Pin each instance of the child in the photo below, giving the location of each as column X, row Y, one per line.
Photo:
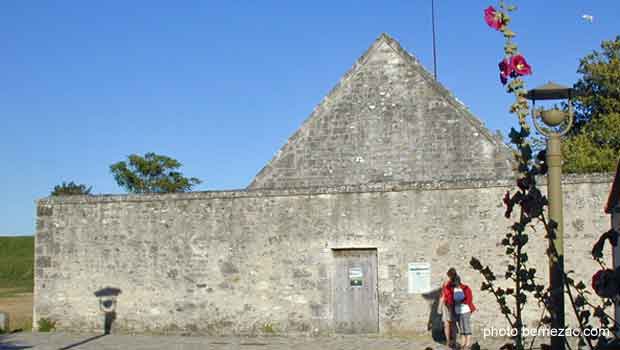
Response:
column 463, row 307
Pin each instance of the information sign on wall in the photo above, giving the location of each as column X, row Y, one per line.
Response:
column 356, row 276
column 419, row 277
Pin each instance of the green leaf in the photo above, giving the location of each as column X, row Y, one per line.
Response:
column 515, row 136
column 526, row 152
column 475, row 264
column 580, row 285
column 509, row 33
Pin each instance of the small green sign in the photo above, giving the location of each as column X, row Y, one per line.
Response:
column 356, row 276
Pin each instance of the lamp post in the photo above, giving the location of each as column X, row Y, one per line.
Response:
column 558, row 123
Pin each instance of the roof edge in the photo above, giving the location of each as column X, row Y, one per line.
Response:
column 462, row 184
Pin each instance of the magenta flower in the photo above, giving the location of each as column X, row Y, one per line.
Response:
column 506, row 70
column 520, row 66
column 493, row 18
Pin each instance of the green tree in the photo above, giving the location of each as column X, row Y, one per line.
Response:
column 70, row 189
column 595, row 148
column 152, row 173
column 594, row 144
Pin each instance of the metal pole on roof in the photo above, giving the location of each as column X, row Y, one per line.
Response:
column 434, row 47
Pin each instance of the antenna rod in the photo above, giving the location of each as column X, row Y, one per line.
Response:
column 434, row 48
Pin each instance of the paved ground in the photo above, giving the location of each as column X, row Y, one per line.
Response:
column 65, row 341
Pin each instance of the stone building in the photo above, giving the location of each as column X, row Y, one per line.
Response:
column 350, row 228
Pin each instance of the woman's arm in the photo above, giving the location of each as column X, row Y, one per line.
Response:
column 469, row 299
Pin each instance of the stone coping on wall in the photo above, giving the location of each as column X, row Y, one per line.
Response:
column 312, row 191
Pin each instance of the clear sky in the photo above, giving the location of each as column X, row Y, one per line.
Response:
column 220, row 86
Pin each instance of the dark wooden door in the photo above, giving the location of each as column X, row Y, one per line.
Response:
column 356, row 306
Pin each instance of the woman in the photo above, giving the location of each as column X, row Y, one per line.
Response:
column 446, row 310
column 463, row 304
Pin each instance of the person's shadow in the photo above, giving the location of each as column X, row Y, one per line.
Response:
column 107, row 303
column 82, row 342
column 6, row 343
column 435, row 323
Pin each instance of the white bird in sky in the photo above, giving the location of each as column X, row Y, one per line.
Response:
column 588, row 18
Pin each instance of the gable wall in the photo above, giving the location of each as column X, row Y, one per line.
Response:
column 388, row 120
column 253, row 261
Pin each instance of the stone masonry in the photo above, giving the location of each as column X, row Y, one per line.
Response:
column 387, row 120
column 388, row 161
column 250, row 262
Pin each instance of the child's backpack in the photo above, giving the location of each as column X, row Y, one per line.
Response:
column 458, row 295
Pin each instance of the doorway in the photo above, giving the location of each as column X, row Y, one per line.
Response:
column 356, row 302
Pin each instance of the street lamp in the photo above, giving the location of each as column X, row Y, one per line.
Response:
column 558, row 123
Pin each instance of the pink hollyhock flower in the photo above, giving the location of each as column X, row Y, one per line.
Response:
column 493, row 18
column 520, row 66
column 505, row 70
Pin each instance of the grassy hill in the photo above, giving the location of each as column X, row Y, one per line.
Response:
column 16, row 263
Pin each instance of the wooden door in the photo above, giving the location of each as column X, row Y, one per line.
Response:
column 356, row 306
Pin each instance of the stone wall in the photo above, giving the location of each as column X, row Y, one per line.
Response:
column 252, row 262
column 388, row 120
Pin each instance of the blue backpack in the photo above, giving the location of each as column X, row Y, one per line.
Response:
column 458, row 295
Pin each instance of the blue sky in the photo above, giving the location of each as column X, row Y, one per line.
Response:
column 221, row 86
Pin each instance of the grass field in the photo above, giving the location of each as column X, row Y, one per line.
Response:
column 16, row 263
column 17, row 279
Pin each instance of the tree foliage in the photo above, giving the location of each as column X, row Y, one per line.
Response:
column 595, row 148
column 594, row 144
column 70, row 189
column 151, row 173
column 598, row 89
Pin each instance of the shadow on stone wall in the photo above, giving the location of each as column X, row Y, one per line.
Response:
column 107, row 304
column 435, row 324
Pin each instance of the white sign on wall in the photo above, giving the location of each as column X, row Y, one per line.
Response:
column 356, row 276
column 419, row 277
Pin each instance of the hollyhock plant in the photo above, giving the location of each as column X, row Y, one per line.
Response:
column 530, row 204
column 520, row 66
column 505, row 70
column 493, row 18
